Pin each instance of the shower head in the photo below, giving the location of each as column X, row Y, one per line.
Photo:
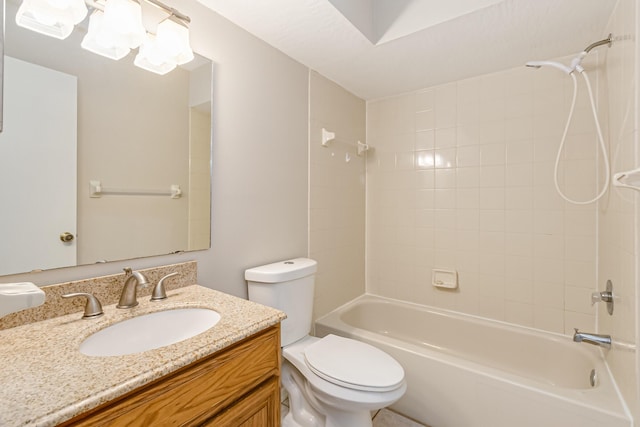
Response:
column 576, row 62
column 559, row 66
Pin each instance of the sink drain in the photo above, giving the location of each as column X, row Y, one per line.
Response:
column 593, row 378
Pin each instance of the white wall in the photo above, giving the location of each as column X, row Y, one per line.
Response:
column 259, row 184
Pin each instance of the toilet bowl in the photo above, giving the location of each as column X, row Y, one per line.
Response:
column 331, row 381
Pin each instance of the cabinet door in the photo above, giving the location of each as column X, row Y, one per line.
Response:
column 260, row 408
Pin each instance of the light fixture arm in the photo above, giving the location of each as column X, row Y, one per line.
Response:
column 173, row 13
column 169, row 10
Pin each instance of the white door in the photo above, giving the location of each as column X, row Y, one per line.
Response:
column 37, row 168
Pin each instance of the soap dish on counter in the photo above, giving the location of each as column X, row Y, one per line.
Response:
column 19, row 296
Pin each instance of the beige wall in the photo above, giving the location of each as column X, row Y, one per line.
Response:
column 199, row 179
column 461, row 179
column 336, row 194
column 260, row 156
column 618, row 228
column 127, row 153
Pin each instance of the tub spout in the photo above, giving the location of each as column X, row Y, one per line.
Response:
column 595, row 339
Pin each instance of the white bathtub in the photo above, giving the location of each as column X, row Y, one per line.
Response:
column 465, row 371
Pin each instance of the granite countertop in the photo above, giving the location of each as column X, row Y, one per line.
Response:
column 46, row 380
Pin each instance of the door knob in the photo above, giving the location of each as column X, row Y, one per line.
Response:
column 66, row 237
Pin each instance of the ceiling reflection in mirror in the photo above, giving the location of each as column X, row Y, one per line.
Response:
column 74, row 119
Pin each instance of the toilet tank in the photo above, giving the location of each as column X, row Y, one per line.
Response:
column 287, row 286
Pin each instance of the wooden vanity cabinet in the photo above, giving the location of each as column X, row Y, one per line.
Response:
column 237, row 386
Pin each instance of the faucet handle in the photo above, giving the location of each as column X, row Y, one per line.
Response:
column 159, row 292
column 601, row 296
column 92, row 308
column 604, row 296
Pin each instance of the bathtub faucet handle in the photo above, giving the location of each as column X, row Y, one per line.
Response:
column 601, row 297
column 604, row 296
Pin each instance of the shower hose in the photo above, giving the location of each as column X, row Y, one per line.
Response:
column 564, row 137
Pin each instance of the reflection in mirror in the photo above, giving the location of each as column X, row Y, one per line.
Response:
column 72, row 117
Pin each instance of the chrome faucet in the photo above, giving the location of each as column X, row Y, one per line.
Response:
column 595, row 339
column 133, row 279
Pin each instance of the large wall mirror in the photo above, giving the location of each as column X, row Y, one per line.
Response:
column 99, row 160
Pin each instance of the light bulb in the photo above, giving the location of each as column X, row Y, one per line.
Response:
column 123, row 20
column 102, row 42
column 152, row 57
column 173, row 39
column 54, row 18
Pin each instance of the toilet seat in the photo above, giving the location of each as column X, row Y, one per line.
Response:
column 353, row 364
column 328, row 391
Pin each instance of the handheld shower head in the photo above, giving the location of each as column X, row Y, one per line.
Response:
column 559, row 66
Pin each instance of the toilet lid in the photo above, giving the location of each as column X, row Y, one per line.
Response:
column 353, row 364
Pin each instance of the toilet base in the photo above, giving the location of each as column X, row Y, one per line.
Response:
column 289, row 421
column 307, row 411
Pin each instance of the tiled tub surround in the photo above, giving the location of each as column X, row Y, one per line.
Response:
column 462, row 179
column 47, row 380
column 106, row 288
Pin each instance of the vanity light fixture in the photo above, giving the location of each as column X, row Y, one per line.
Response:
column 54, row 18
column 115, row 27
column 167, row 49
column 116, row 30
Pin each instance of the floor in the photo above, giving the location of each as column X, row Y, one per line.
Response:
column 388, row 418
column 382, row 418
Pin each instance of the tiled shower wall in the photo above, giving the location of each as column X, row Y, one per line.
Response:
column 462, row 179
column 617, row 223
column 336, row 194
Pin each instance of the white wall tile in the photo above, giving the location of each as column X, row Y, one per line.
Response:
column 492, row 176
column 445, row 137
column 467, row 177
column 425, row 140
column 492, row 154
column 617, row 218
column 445, row 178
column 519, row 313
column 445, row 117
column 520, row 151
column 519, row 174
column 445, row 158
column 493, row 198
column 485, row 201
column 424, row 100
column 425, row 120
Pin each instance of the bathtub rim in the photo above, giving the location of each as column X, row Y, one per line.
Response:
column 453, row 313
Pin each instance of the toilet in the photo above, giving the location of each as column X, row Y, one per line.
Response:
column 331, row 381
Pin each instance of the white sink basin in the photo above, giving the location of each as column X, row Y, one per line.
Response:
column 149, row 331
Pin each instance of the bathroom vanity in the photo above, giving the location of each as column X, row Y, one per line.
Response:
column 237, row 386
column 227, row 375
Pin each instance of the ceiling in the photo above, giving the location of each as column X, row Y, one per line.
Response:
column 377, row 48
